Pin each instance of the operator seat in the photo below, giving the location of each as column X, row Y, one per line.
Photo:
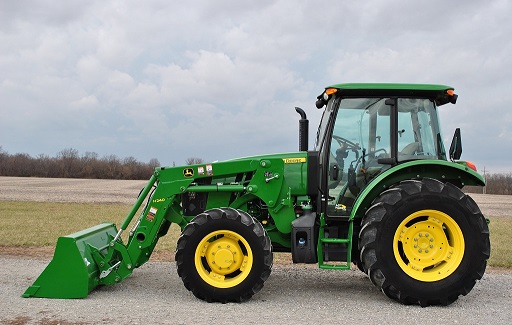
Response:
column 410, row 149
column 409, row 152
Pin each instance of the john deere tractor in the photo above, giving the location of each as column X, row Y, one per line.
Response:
column 378, row 192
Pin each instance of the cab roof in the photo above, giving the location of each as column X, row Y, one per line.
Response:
column 390, row 86
column 440, row 93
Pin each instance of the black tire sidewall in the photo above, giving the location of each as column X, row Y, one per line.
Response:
column 394, row 273
column 207, row 291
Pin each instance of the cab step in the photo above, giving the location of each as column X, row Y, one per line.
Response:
column 343, row 258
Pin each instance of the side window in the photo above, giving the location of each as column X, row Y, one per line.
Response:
column 407, row 142
column 428, row 140
column 382, row 148
column 416, row 132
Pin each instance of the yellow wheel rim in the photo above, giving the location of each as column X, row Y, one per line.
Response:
column 223, row 259
column 428, row 245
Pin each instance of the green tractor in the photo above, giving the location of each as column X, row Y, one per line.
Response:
column 378, row 191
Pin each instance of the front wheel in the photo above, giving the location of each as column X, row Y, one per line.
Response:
column 224, row 255
column 424, row 242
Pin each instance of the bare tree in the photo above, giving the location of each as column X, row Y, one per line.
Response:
column 45, row 166
column 4, row 157
column 153, row 163
column 69, row 162
column 194, row 161
column 113, row 165
column 89, row 165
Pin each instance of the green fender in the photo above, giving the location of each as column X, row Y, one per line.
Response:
column 457, row 173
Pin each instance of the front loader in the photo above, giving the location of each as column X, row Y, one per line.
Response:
column 378, row 191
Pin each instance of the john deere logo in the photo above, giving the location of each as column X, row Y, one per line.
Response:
column 188, row 172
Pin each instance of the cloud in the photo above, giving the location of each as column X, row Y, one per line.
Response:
column 217, row 80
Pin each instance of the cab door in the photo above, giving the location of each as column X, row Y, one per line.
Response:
column 357, row 136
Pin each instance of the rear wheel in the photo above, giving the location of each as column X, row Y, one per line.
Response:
column 224, row 255
column 424, row 242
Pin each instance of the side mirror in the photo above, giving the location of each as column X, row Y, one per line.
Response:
column 456, row 146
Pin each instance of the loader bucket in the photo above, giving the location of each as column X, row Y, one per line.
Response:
column 72, row 273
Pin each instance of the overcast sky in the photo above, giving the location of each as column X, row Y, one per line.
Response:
column 220, row 79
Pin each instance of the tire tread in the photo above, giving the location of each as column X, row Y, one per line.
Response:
column 216, row 214
column 384, row 205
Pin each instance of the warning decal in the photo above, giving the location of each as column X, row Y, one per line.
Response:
column 151, row 214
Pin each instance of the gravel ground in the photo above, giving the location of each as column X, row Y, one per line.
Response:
column 293, row 293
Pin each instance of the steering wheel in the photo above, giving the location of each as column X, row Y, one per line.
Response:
column 346, row 143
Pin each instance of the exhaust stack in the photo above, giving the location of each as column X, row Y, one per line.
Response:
column 303, row 130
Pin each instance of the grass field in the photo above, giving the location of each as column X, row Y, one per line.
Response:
column 39, row 224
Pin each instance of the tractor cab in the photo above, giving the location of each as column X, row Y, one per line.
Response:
column 368, row 128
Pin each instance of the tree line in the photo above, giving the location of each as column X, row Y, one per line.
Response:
column 495, row 184
column 70, row 164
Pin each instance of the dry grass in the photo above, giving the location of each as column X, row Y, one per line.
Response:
column 38, row 224
column 501, row 251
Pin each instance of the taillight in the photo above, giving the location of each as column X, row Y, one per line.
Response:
column 471, row 165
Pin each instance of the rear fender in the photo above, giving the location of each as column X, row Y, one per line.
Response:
column 445, row 171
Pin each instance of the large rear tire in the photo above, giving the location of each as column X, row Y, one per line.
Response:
column 424, row 242
column 224, row 255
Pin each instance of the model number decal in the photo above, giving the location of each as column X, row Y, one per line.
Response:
column 294, row 160
column 159, row 200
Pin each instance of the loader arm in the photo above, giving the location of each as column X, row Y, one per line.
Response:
column 163, row 195
column 176, row 195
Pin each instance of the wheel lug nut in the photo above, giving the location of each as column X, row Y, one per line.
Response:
column 431, row 246
column 426, row 250
column 431, row 239
column 421, row 235
column 415, row 246
column 426, row 235
column 419, row 250
column 415, row 238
